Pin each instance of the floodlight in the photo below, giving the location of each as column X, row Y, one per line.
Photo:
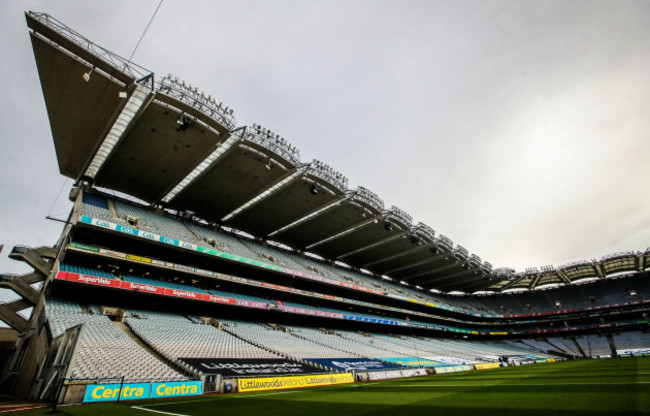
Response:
column 86, row 75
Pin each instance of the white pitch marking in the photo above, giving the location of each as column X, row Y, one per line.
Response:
column 248, row 395
column 157, row 411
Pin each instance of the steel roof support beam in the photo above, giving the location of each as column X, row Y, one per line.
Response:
column 429, row 260
column 312, row 214
column 202, row 167
column 140, row 98
column 403, row 253
column 436, row 270
column 452, row 277
column 346, row 232
column 267, row 192
column 378, row 243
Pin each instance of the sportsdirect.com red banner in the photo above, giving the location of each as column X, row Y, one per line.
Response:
column 138, row 287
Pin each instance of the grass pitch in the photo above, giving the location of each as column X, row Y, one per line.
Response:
column 590, row 387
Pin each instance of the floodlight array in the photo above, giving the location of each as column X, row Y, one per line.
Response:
column 273, row 142
column 474, row 259
column 577, row 263
column 462, row 251
column 618, row 255
column 400, row 215
column 504, row 273
column 445, row 242
column 190, row 95
column 328, row 174
column 369, row 198
column 425, row 230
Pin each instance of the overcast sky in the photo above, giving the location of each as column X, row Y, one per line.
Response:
column 519, row 129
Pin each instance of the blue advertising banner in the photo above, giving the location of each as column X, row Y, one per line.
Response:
column 137, row 391
column 356, row 364
column 176, row 389
column 110, row 392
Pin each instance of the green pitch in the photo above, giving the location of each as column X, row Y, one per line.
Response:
column 590, row 387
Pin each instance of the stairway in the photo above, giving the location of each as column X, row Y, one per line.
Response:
column 575, row 341
column 612, row 346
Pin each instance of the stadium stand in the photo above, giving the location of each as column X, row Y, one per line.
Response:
column 238, row 250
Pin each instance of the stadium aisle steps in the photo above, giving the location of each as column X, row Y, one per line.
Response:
column 577, row 344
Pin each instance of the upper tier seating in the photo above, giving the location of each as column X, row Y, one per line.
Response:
column 603, row 292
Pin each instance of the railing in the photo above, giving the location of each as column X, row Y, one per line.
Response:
column 400, row 215
column 425, row 230
column 328, row 174
column 273, row 142
column 369, row 197
column 190, row 95
column 112, row 59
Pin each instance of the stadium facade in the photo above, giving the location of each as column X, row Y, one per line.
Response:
column 198, row 251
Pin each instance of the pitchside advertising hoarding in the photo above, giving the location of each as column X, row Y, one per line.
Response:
column 249, row 366
column 353, row 364
column 279, row 383
column 412, row 361
column 138, row 391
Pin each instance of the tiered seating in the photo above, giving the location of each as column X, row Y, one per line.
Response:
column 468, row 351
column 72, row 268
column 96, row 206
column 540, row 345
column 175, row 336
column 344, row 341
column 104, row 350
column 282, row 342
column 277, row 257
column 631, row 341
column 594, row 345
column 566, row 345
column 158, row 224
column 223, row 242
column 606, row 293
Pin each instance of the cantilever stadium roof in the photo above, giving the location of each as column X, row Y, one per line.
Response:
column 118, row 126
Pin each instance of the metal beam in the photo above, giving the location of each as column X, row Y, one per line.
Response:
column 401, row 254
column 346, row 232
column 429, row 260
column 375, row 244
column 267, row 192
column 13, row 319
